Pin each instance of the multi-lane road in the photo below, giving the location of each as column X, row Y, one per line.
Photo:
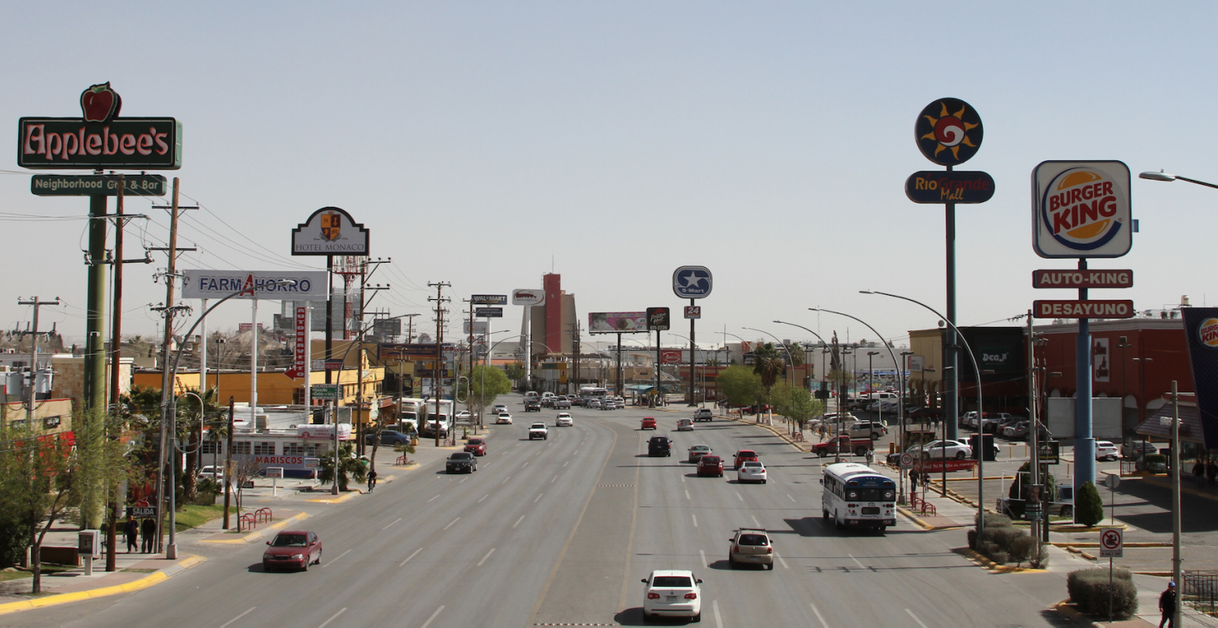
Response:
column 560, row 532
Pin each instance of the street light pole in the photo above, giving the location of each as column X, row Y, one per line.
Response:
column 980, row 412
column 1163, row 176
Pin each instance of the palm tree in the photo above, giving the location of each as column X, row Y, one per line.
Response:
column 348, row 465
column 769, row 364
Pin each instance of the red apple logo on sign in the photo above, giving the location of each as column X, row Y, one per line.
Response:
column 100, row 103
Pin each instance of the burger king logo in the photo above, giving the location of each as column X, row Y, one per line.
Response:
column 1207, row 332
column 1082, row 209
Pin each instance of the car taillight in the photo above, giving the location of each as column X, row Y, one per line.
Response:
column 653, row 596
column 691, row 596
column 769, row 550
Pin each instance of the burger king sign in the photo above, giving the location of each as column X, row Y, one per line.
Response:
column 1081, row 209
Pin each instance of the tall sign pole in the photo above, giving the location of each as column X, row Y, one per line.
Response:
column 949, row 132
column 1081, row 210
column 693, row 283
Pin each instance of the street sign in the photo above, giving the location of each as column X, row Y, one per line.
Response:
column 1082, row 278
column 693, row 311
column 1112, row 481
column 1050, row 452
column 488, row 299
column 948, row 131
column 907, row 460
column 1120, row 308
column 97, row 185
column 956, row 186
column 692, row 282
column 328, row 392
column 1112, row 543
column 488, row 312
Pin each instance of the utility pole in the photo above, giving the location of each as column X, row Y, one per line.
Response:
column 364, row 288
column 37, row 303
column 438, row 367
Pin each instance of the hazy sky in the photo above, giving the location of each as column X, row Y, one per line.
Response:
column 486, row 144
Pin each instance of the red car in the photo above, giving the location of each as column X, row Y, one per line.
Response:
column 649, row 423
column 292, row 548
column 476, row 446
column 710, row 465
column 743, row 455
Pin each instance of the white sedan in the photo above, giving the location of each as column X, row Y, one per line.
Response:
column 672, row 593
column 505, row 418
column 1105, row 450
column 751, row 471
column 564, row 420
column 946, row 449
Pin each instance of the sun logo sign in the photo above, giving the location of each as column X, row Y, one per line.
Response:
column 948, row 131
column 1081, row 209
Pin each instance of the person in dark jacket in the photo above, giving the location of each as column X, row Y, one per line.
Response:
column 148, row 528
column 1167, row 606
column 1199, row 472
column 371, row 480
column 131, row 532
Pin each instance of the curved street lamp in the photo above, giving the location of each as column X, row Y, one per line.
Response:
column 980, row 414
column 1163, row 176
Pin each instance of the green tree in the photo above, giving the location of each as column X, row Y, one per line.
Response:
column 514, row 371
column 740, row 385
column 349, row 467
column 485, row 385
column 768, row 363
column 1088, row 505
column 795, row 403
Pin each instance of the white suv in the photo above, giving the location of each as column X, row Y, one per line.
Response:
column 672, row 593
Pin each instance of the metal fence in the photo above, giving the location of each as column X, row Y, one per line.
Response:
column 1200, row 590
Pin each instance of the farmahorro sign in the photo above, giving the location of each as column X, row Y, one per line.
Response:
column 330, row 231
column 217, row 284
column 1081, row 209
column 99, row 139
column 617, row 322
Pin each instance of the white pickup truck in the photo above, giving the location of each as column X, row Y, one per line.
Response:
column 539, row 430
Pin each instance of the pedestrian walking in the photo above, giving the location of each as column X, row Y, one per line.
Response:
column 148, row 528
column 371, row 480
column 131, row 533
column 870, row 456
column 1199, row 472
column 913, row 484
column 1167, row 606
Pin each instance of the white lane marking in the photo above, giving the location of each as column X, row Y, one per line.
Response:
column 391, row 524
column 517, row 444
column 488, row 555
column 433, row 616
column 576, row 451
column 526, row 463
column 738, row 496
column 718, row 619
column 687, row 494
column 334, row 560
column 432, row 499
column 484, row 497
column 704, row 563
column 791, row 498
column 505, row 480
column 465, row 478
column 566, row 463
column 682, row 479
column 695, row 519
column 451, row 524
column 518, row 521
column 538, row 497
column 226, row 625
column 553, row 478
column 818, row 615
column 486, row 465
column 784, row 563
column 856, row 561
column 403, row 563
column 333, row 617
column 915, row 618
column 755, row 521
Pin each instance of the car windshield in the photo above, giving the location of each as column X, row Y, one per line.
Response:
column 746, row 454
column 752, row 539
column 462, row 456
column 752, row 465
column 290, row 540
column 475, row 441
column 710, row 459
column 672, row 581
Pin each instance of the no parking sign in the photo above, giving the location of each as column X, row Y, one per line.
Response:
column 1112, row 543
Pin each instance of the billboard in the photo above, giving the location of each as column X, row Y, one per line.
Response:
column 1081, row 209
column 617, row 322
column 528, row 296
column 248, row 284
column 330, row 231
column 657, row 318
column 1201, row 332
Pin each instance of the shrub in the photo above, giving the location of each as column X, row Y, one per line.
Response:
column 1088, row 589
column 1154, row 463
column 1088, row 506
column 998, row 543
column 1022, row 549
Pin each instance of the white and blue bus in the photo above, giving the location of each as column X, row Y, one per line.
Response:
column 855, row 495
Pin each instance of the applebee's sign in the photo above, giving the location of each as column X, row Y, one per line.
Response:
column 99, row 138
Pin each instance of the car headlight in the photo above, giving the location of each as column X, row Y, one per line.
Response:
column 266, row 556
column 297, row 556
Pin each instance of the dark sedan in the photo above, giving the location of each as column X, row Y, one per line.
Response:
column 388, row 437
column 461, row 462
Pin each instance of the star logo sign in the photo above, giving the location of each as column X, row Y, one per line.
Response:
column 691, row 282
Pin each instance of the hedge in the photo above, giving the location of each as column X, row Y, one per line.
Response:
column 1088, row 589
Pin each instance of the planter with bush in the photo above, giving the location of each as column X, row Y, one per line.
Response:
column 1003, row 543
column 1089, row 591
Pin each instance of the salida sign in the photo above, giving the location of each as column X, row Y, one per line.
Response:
column 99, row 139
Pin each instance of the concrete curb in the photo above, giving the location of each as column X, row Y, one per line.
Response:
column 150, row 580
column 258, row 534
